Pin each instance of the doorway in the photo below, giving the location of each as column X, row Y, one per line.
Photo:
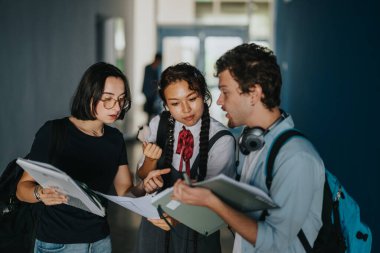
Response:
column 200, row 46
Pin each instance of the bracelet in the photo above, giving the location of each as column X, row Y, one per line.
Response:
column 36, row 193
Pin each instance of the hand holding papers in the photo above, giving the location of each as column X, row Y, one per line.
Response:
column 240, row 196
column 80, row 195
column 49, row 176
column 166, row 222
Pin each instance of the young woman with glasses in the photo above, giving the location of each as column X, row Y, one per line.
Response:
column 92, row 153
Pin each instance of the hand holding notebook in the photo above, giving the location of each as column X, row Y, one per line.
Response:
column 240, row 196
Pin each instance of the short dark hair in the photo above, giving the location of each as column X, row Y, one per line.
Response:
column 158, row 56
column 91, row 88
column 251, row 64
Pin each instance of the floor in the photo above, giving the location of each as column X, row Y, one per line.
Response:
column 124, row 223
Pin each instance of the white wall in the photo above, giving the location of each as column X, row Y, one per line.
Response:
column 175, row 12
column 141, row 48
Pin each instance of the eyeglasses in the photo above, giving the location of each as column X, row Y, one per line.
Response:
column 110, row 103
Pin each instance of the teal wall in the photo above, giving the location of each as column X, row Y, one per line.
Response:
column 329, row 54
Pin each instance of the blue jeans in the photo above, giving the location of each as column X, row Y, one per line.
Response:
column 101, row 246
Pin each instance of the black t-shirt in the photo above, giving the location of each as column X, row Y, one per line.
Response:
column 88, row 159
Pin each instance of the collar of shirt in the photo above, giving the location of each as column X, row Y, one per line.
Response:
column 195, row 130
column 254, row 158
column 287, row 123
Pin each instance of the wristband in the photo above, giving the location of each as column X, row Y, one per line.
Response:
column 36, row 193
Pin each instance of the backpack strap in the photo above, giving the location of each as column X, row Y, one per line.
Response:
column 13, row 172
column 57, row 139
column 273, row 151
column 161, row 138
column 275, row 148
column 305, row 243
column 211, row 143
column 162, row 132
column 218, row 135
column 162, row 129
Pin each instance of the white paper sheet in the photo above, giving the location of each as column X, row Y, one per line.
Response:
column 140, row 205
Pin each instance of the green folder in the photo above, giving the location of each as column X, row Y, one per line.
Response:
column 241, row 196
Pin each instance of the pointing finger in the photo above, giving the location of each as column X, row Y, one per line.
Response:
column 164, row 171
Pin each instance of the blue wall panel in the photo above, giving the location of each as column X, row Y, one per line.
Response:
column 328, row 51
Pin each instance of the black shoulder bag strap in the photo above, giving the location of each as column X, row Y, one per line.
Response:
column 13, row 172
column 57, row 139
column 162, row 132
column 276, row 146
column 162, row 129
column 211, row 143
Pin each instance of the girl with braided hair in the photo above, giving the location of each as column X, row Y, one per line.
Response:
column 192, row 142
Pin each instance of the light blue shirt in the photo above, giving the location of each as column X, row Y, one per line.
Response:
column 297, row 188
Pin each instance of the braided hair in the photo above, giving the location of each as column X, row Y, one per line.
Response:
column 196, row 82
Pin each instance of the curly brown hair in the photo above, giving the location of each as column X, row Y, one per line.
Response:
column 251, row 64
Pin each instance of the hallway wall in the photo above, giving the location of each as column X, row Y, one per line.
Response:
column 330, row 62
column 45, row 46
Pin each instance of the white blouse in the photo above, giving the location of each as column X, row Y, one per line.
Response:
column 221, row 157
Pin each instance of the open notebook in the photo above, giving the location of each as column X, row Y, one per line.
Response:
column 243, row 197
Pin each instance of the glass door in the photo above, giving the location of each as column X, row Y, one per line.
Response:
column 200, row 46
